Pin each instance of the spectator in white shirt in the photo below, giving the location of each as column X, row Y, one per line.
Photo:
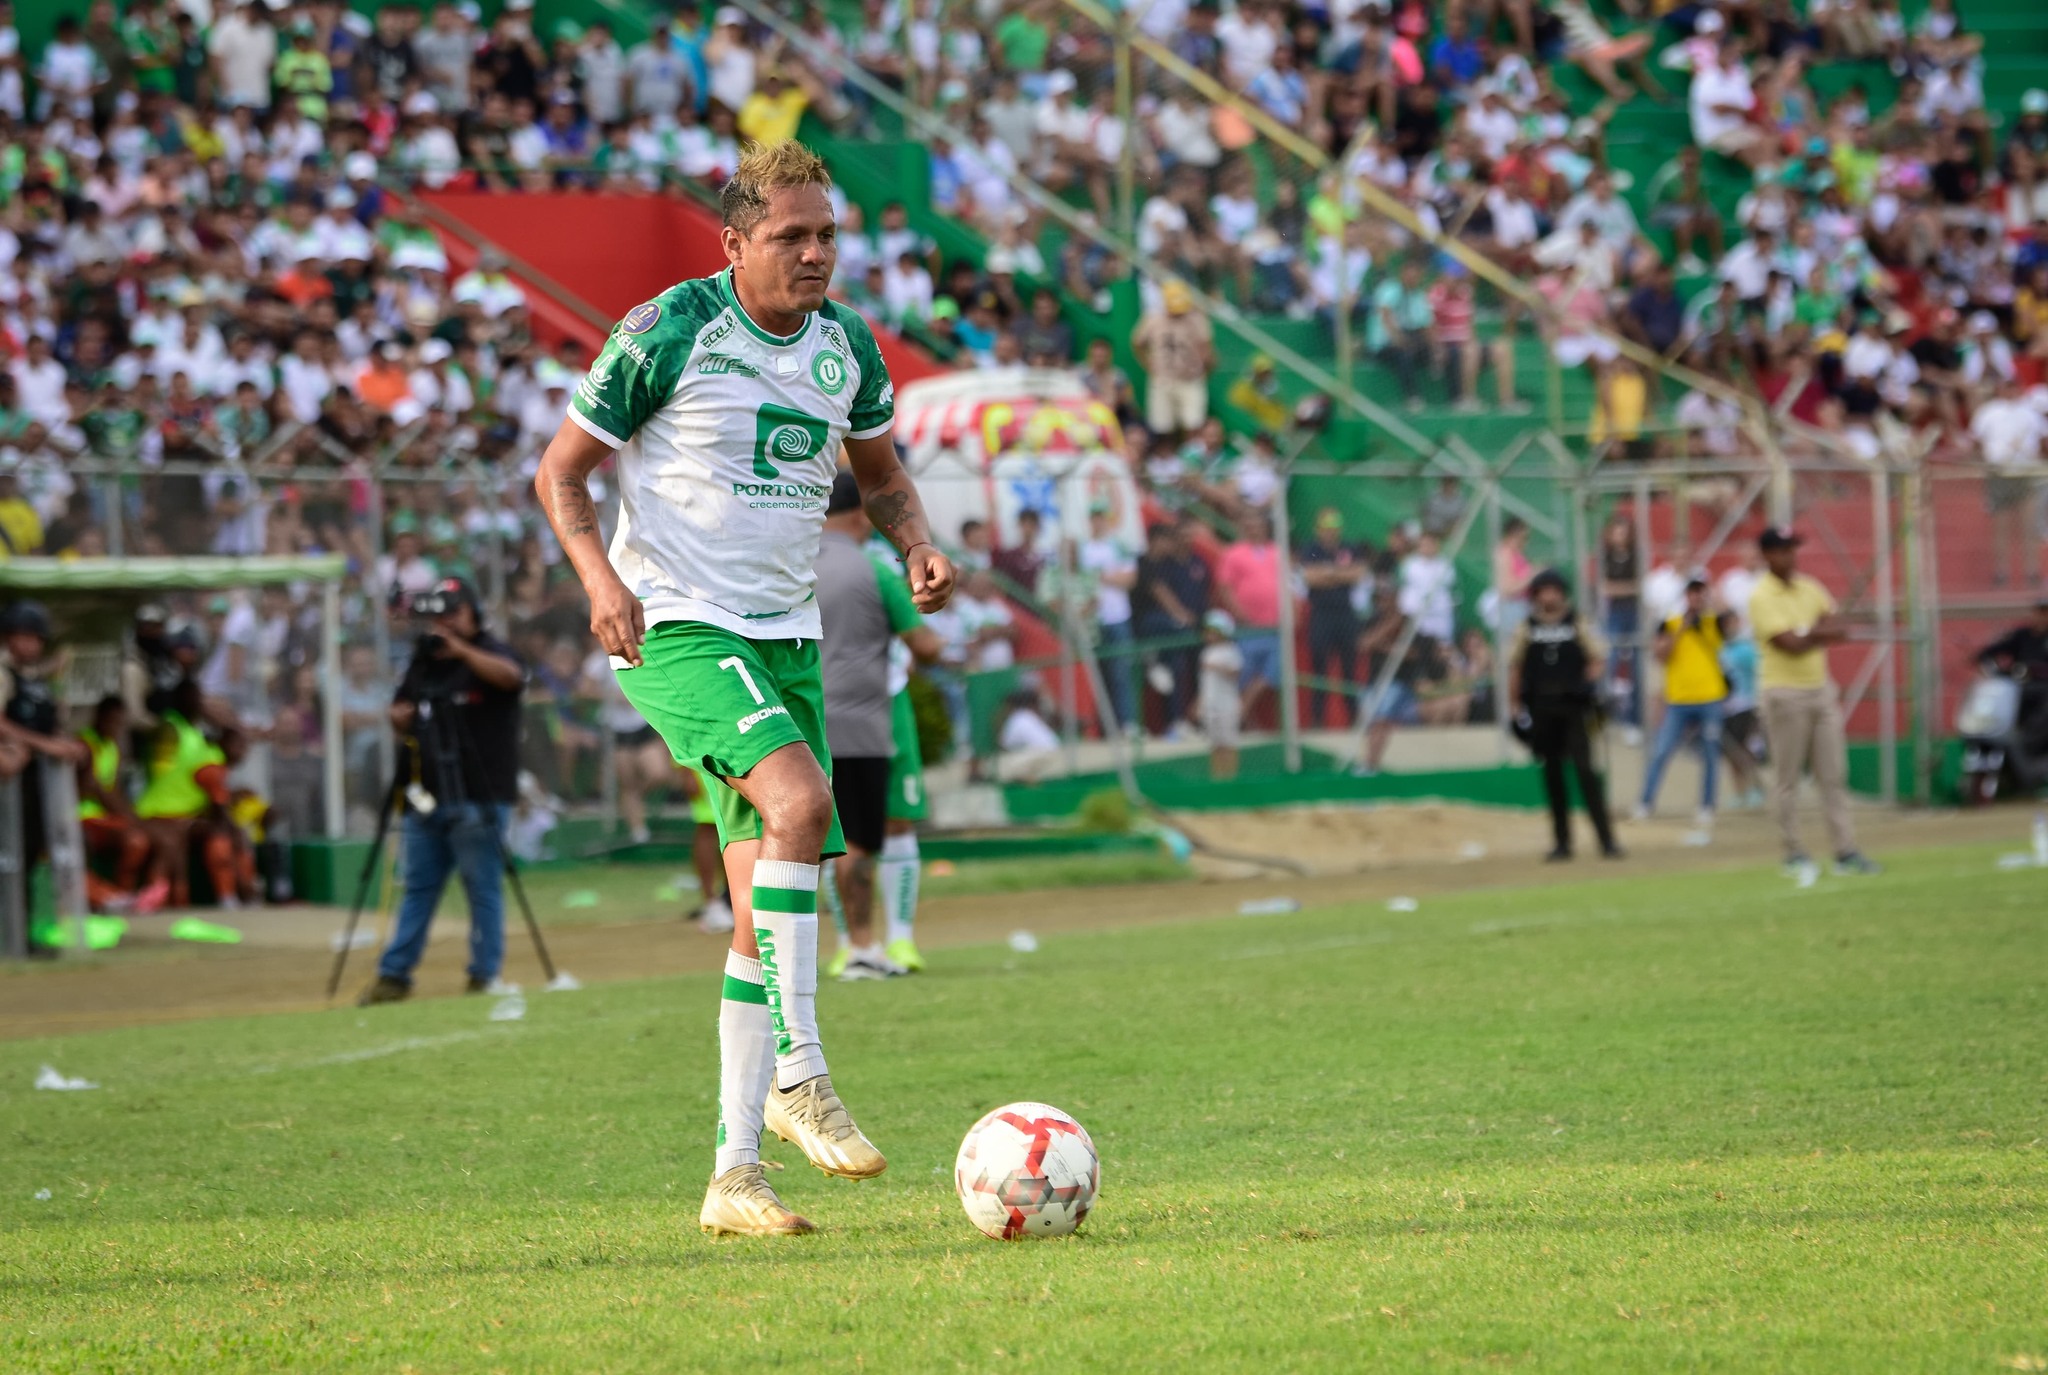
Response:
column 2009, row 430
column 1720, row 102
column 39, row 383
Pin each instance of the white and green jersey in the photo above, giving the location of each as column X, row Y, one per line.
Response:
column 728, row 437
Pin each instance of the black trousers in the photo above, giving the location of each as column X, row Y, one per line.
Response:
column 1331, row 647
column 1558, row 735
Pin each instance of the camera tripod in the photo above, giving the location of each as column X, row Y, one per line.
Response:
column 446, row 761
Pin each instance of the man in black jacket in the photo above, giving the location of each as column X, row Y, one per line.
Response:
column 1553, row 672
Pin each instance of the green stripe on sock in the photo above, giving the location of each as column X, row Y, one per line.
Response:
column 795, row 900
column 740, row 991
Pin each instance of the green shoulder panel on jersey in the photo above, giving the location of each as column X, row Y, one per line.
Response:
column 896, row 603
column 642, row 359
column 874, row 404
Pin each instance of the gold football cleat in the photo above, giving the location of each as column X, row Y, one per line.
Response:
column 811, row 1118
column 739, row 1203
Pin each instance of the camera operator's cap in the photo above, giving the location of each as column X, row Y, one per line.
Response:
column 461, row 590
column 1549, row 580
column 845, row 494
column 1779, row 537
column 1219, row 621
column 1696, row 578
column 26, row 618
column 151, row 613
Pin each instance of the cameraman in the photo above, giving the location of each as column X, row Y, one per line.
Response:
column 458, row 705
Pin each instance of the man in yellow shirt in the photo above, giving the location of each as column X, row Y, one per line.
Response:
column 1695, row 696
column 1794, row 620
column 771, row 114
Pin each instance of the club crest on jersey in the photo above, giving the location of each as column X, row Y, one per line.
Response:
column 829, row 371
column 641, row 318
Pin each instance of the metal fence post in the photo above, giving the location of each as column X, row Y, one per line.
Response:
column 13, row 874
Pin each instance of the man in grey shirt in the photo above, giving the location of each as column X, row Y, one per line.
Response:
column 445, row 51
column 864, row 608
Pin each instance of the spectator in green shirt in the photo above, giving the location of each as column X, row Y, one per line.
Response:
column 1398, row 329
column 303, row 73
column 1024, row 40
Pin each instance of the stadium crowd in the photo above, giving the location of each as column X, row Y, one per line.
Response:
column 206, row 279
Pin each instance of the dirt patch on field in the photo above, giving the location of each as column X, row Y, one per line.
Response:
column 1353, row 854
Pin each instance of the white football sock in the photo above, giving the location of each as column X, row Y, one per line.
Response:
column 898, row 877
column 786, row 929
column 828, row 894
column 746, row 1062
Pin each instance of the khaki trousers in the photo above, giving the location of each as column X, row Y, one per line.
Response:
column 1805, row 730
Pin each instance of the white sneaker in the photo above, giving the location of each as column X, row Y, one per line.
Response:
column 870, row 964
column 716, row 918
column 1639, row 812
column 1703, row 819
column 639, row 835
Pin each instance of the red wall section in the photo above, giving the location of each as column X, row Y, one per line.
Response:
column 616, row 251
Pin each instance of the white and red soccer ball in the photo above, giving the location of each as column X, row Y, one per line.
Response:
column 1027, row 1170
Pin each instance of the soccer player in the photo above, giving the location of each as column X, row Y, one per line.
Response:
column 728, row 399
column 867, row 615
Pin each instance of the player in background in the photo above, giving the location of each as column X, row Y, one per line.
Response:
column 727, row 400
column 867, row 616
column 900, row 871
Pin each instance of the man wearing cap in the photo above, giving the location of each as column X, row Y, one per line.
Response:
column 865, row 607
column 2024, row 159
column 459, row 706
column 1795, row 621
column 1175, row 345
column 1695, row 695
column 1333, row 573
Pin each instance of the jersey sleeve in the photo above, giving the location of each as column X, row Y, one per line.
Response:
column 630, row 380
column 874, row 405
column 896, row 603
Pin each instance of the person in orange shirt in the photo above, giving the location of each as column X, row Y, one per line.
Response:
column 384, row 380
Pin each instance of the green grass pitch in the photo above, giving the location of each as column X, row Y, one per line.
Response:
column 1711, row 1123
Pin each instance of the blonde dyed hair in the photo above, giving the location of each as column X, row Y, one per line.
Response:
column 764, row 170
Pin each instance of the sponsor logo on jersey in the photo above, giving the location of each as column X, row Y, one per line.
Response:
column 784, row 437
column 713, row 337
column 641, row 318
column 809, row 490
column 590, row 389
column 631, row 349
column 828, row 370
column 715, row 363
column 753, row 719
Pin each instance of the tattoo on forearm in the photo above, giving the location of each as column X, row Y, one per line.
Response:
column 887, row 509
column 574, row 512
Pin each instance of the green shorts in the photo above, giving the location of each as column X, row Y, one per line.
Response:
column 701, row 809
column 906, row 766
column 723, row 703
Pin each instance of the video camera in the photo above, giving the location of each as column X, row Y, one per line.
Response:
column 446, row 596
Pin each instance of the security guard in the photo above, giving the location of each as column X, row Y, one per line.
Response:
column 1553, row 670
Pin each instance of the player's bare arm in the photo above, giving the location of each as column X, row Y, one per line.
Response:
column 563, row 486
column 892, row 503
